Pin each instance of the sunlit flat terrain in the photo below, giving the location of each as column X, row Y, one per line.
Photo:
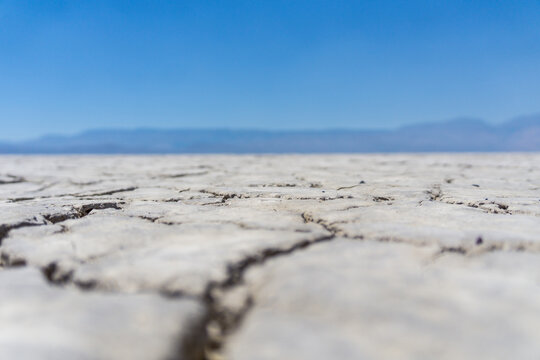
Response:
column 270, row 257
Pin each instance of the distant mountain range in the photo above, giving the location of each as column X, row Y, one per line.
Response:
column 465, row 135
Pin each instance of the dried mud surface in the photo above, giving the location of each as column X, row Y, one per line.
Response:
column 270, row 257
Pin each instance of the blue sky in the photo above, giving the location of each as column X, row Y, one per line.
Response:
column 67, row 66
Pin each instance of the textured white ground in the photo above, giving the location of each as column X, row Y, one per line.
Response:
column 270, row 257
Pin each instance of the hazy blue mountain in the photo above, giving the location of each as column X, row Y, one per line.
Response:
column 461, row 135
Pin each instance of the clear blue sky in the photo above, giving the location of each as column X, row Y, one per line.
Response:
column 66, row 66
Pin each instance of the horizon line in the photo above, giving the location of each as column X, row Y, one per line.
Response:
column 276, row 130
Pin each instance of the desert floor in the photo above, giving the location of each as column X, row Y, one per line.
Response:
column 270, row 257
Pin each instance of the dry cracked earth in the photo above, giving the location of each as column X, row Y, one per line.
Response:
column 270, row 257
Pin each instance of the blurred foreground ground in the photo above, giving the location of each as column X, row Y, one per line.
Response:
column 270, row 257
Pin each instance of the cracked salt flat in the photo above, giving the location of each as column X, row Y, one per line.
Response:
column 39, row 321
column 373, row 300
column 350, row 256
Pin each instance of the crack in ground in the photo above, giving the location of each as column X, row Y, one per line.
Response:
column 6, row 228
column 287, row 185
column 208, row 338
column 80, row 212
column 77, row 195
column 491, row 207
column 230, row 195
column 13, row 179
column 181, row 175
column 308, row 218
column 362, row 182
column 497, row 208
column 54, row 218
column 480, row 248
column 111, row 192
column 435, row 193
column 477, row 247
column 45, row 187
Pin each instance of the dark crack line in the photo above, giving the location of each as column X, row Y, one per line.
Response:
column 308, row 218
column 6, row 228
column 85, row 183
column 436, row 194
column 13, row 179
column 55, row 275
column 180, row 175
column 224, row 196
column 45, row 187
column 228, row 196
column 54, row 218
column 209, row 336
column 76, row 195
column 481, row 205
column 111, row 192
column 382, row 198
column 277, row 185
column 479, row 247
column 79, row 212
column 362, row 182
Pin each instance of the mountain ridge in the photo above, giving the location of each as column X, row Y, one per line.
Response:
column 458, row 135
